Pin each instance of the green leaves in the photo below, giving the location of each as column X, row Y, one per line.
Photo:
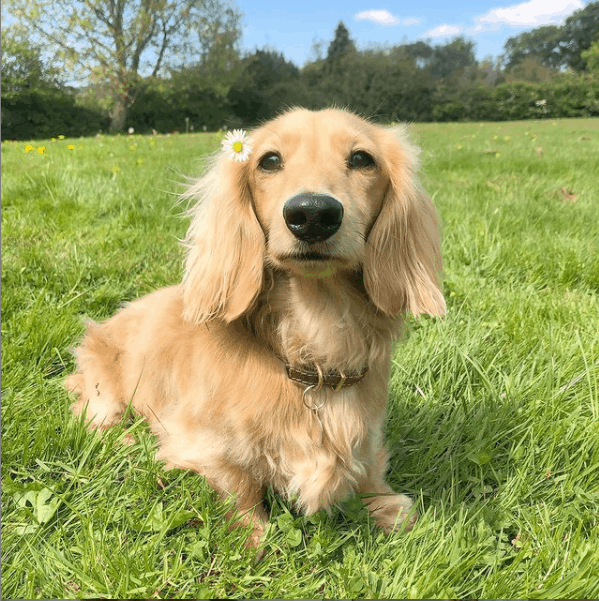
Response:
column 557, row 46
column 481, row 457
column 288, row 525
column 38, row 506
column 122, row 40
column 163, row 520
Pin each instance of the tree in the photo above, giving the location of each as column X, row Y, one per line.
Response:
column 339, row 48
column 456, row 55
column 420, row 52
column 35, row 103
column 530, row 68
column 114, row 42
column 490, row 71
column 557, row 46
column 591, row 56
column 22, row 65
column 580, row 30
column 219, row 49
column 397, row 88
column 262, row 86
column 543, row 43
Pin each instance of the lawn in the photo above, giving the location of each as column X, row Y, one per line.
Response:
column 493, row 413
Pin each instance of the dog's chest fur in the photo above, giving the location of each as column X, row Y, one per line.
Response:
column 314, row 457
column 314, row 454
column 325, row 322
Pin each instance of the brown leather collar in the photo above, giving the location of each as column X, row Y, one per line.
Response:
column 317, row 379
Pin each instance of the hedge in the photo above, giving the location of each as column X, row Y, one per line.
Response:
column 165, row 106
column 46, row 113
column 568, row 96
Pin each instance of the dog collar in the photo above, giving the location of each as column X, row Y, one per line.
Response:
column 316, row 378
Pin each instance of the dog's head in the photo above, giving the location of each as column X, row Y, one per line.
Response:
column 321, row 193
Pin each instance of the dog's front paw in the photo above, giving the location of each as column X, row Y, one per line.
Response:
column 392, row 512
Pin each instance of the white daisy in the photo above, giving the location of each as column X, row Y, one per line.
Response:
column 238, row 145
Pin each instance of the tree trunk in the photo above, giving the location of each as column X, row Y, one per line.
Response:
column 118, row 114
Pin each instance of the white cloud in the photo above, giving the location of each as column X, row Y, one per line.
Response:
column 527, row 14
column 442, row 31
column 378, row 16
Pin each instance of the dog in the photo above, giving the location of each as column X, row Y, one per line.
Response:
column 268, row 365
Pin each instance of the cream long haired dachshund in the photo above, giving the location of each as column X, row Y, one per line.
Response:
column 268, row 365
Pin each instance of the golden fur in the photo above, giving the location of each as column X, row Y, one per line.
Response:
column 204, row 361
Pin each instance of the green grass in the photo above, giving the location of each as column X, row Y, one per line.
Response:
column 493, row 413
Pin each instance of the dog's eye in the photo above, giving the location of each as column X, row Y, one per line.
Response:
column 360, row 160
column 271, row 161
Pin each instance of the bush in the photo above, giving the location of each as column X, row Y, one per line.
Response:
column 566, row 96
column 572, row 96
column 517, row 100
column 43, row 113
column 390, row 94
column 164, row 106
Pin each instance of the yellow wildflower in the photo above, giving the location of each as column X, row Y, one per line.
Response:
column 41, row 149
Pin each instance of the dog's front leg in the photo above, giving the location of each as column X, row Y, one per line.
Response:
column 391, row 510
column 231, row 481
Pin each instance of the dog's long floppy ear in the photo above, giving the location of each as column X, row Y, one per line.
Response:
column 403, row 249
column 225, row 245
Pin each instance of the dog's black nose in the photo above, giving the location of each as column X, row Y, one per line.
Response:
column 313, row 217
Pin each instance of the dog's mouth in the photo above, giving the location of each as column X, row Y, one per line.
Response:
column 310, row 255
column 301, row 256
column 311, row 262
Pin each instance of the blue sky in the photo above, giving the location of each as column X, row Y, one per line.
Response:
column 290, row 27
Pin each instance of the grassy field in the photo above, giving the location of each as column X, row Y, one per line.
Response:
column 493, row 413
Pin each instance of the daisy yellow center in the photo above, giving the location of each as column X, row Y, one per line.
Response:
column 238, row 147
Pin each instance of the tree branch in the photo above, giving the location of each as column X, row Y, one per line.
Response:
column 162, row 50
